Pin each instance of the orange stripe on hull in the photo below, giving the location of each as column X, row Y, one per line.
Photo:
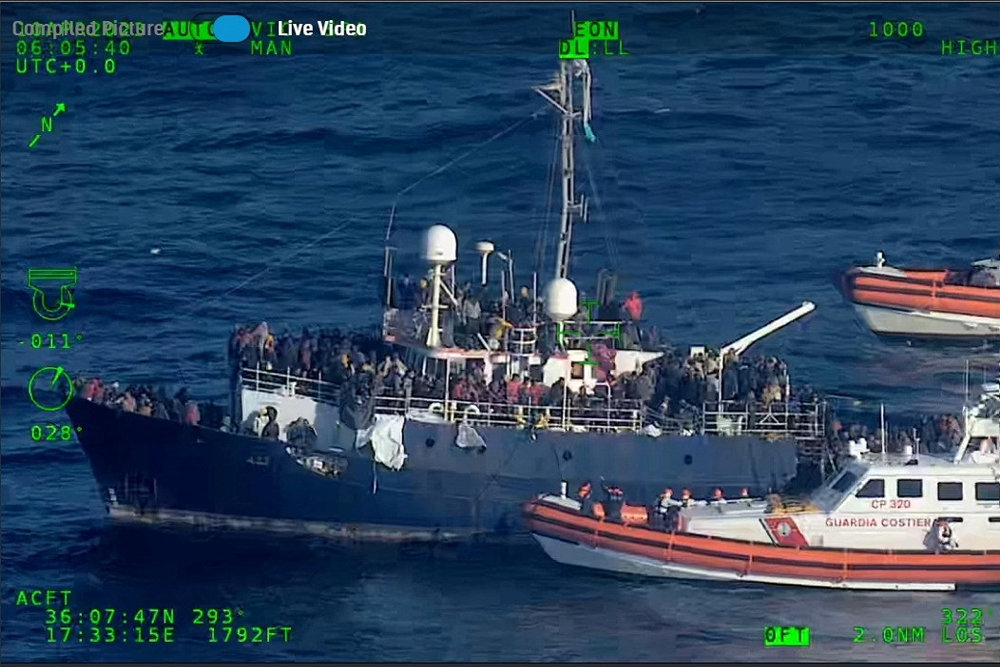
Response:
column 921, row 291
column 740, row 556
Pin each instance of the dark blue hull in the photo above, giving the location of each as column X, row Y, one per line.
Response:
column 161, row 470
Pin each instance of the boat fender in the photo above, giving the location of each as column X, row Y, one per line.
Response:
column 470, row 410
column 436, row 407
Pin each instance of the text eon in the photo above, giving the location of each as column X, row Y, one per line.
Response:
column 326, row 29
column 593, row 38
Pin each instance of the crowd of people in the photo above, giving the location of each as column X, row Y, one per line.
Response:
column 148, row 401
column 939, row 433
column 671, row 387
column 674, row 391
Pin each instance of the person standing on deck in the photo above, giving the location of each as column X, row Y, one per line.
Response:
column 271, row 429
column 633, row 306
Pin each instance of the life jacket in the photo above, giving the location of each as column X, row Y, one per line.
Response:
column 633, row 304
column 635, row 514
column 513, row 391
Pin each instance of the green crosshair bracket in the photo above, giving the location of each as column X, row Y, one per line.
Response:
column 614, row 332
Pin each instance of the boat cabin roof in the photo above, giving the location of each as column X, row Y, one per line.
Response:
column 869, row 480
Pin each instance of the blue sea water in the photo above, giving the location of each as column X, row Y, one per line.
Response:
column 745, row 153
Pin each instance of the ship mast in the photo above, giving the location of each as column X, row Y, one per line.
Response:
column 560, row 95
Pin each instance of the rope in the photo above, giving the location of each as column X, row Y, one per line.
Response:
column 450, row 163
column 271, row 264
column 284, row 258
column 542, row 240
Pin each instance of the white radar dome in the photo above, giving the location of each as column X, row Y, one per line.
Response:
column 560, row 299
column 440, row 245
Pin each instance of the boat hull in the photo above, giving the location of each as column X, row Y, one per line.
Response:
column 921, row 304
column 573, row 539
column 155, row 470
column 894, row 322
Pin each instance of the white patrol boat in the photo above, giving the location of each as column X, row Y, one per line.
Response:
column 922, row 523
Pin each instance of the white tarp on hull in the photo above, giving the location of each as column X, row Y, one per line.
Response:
column 469, row 438
column 387, row 441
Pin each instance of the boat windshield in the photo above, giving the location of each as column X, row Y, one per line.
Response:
column 844, row 482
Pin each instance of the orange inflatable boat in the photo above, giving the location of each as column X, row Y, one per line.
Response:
column 926, row 303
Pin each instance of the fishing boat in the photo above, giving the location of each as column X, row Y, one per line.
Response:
column 921, row 523
column 926, row 303
column 404, row 467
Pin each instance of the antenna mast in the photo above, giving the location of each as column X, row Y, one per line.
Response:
column 560, row 95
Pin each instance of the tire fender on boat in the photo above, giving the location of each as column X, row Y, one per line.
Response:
column 470, row 410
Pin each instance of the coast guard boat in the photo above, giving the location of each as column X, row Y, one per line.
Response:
column 927, row 303
column 920, row 523
column 408, row 468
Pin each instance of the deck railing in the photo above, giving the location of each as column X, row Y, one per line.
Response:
column 805, row 423
column 287, row 384
column 736, row 418
column 622, row 416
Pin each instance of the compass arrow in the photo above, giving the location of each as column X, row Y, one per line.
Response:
column 60, row 107
column 60, row 371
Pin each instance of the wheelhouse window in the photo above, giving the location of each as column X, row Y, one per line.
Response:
column 909, row 488
column 949, row 491
column 844, row 482
column 987, row 491
column 873, row 488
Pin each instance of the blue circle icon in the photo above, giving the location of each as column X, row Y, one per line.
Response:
column 231, row 28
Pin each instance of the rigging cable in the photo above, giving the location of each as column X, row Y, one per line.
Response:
column 609, row 241
column 450, row 163
column 285, row 257
column 542, row 241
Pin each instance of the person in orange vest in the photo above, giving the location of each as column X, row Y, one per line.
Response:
column 633, row 306
column 586, row 500
column 614, row 499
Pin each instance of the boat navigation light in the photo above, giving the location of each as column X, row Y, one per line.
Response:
column 440, row 245
column 561, row 299
column 484, row 248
